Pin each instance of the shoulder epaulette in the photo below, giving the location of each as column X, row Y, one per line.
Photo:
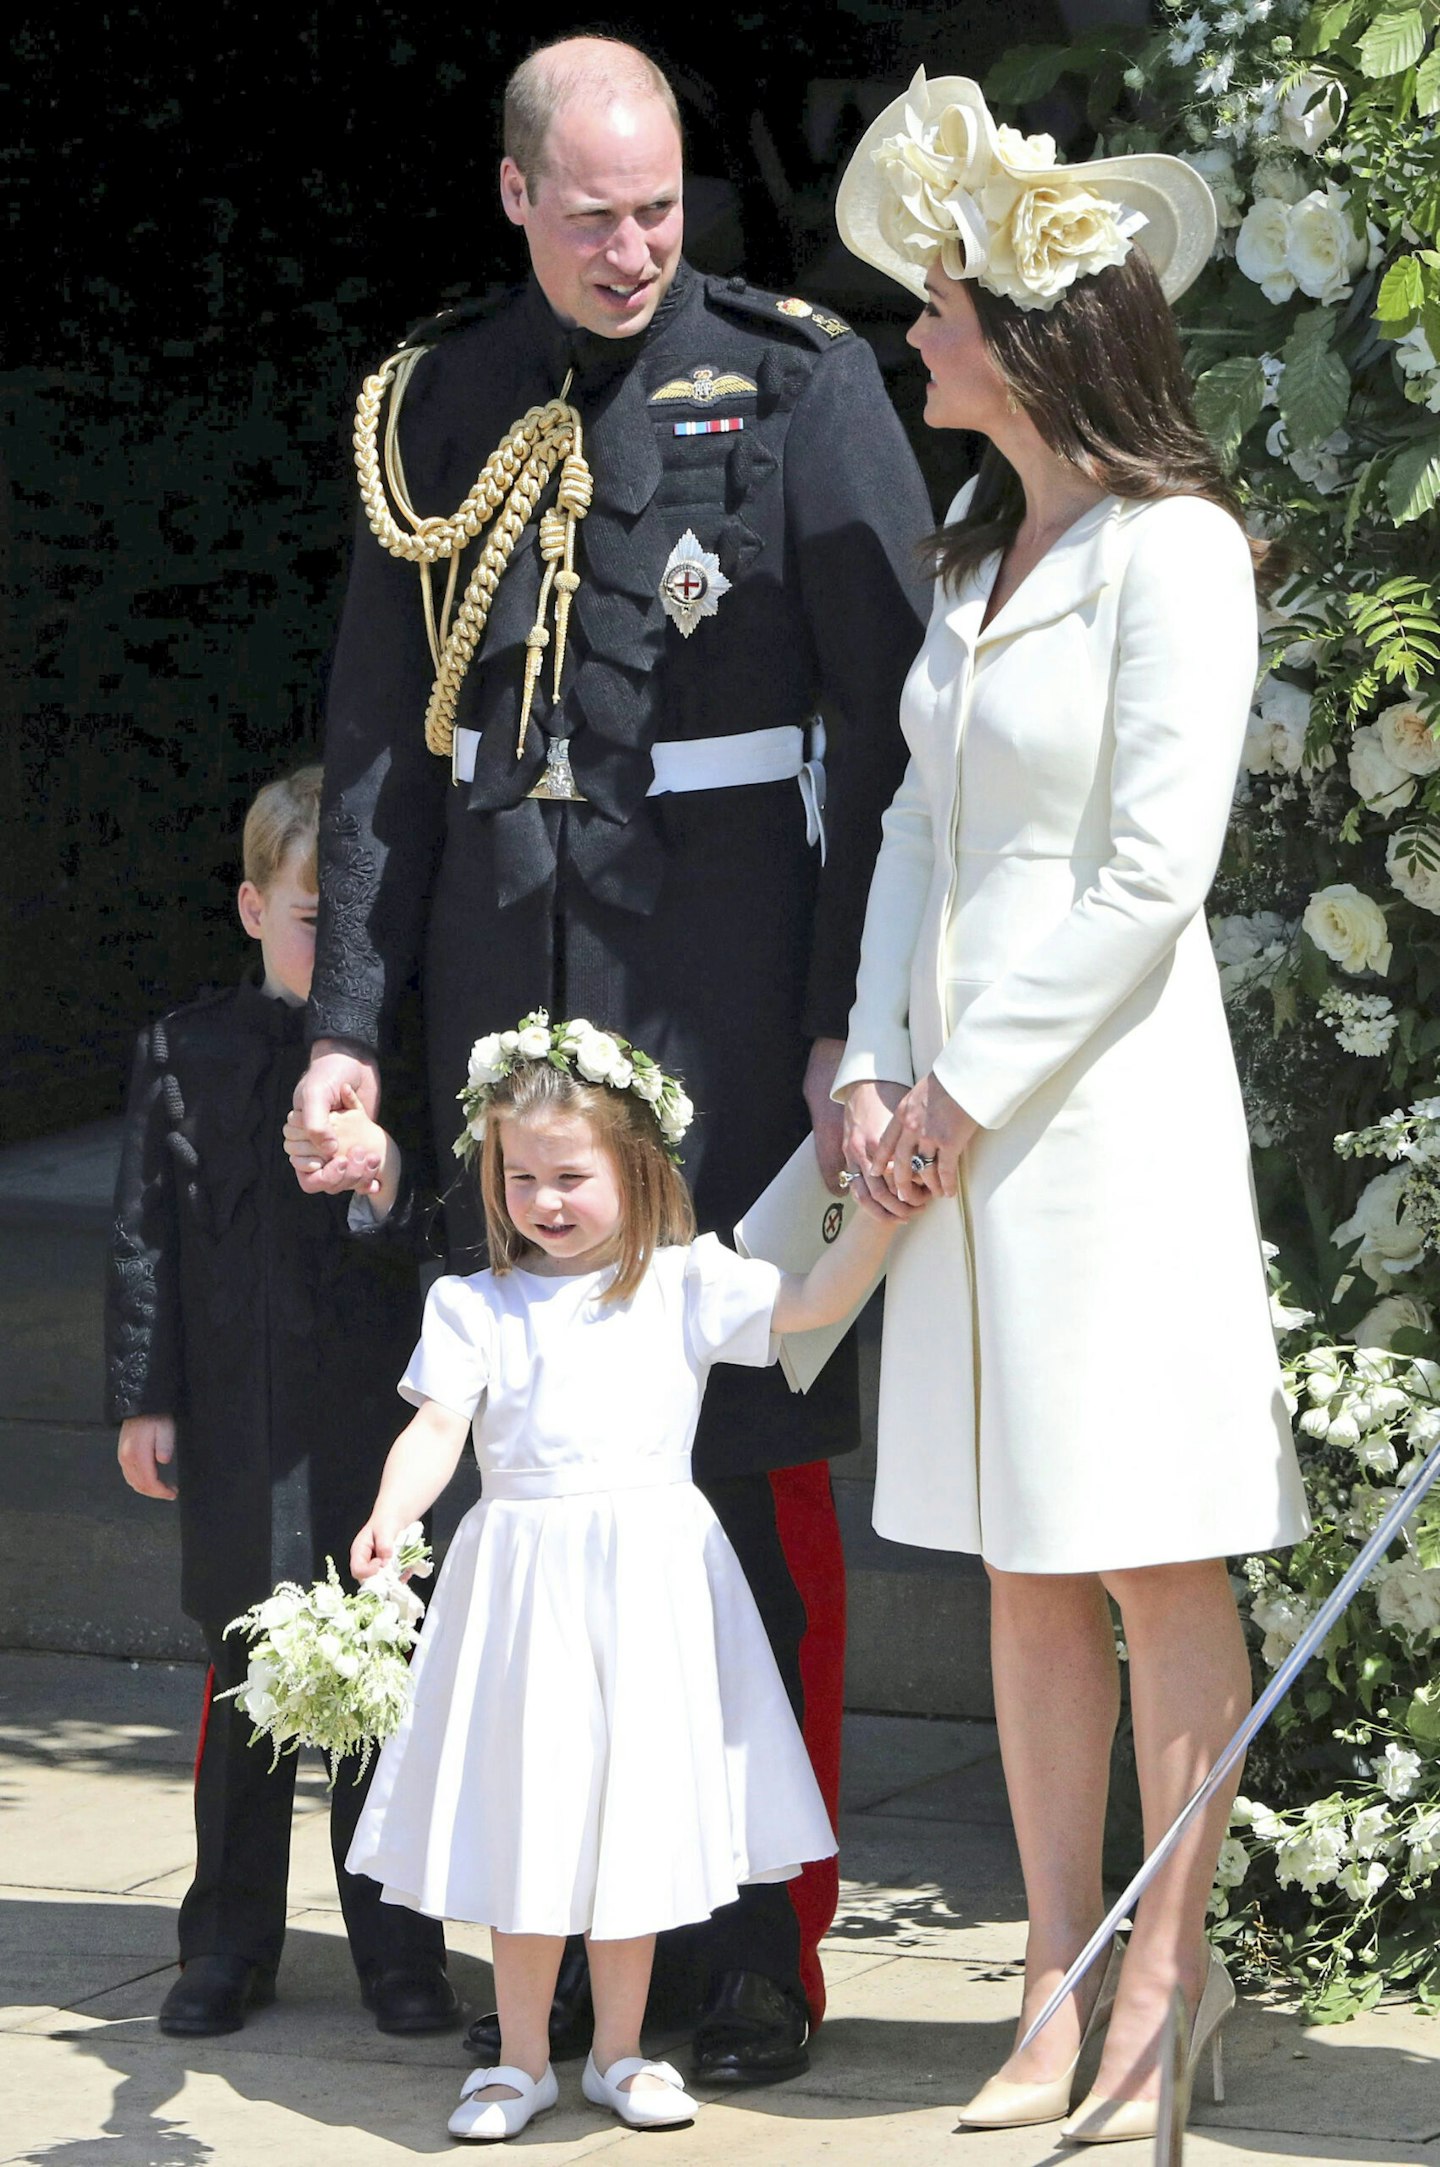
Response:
column 457, row 315
column 816, row 326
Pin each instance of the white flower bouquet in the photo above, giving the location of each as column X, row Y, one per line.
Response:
column 329, row 1669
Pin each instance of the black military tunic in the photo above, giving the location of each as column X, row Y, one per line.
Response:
column 702, row 925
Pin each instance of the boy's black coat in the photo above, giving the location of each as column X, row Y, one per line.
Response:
column 247, row 1310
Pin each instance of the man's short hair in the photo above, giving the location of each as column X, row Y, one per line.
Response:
column 284, row 817
column 593, row 68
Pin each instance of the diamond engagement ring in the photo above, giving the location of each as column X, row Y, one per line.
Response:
column 919, row 1160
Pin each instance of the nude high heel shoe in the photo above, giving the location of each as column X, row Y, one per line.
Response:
column 1001, row 2103
column 1115, row 2121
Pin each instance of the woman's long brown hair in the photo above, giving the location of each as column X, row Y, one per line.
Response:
column 1102, row 377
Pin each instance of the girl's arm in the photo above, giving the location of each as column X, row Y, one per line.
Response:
column 841, row 1278
column 421, row 1462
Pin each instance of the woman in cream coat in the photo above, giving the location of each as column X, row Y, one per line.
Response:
column 1079, row 1377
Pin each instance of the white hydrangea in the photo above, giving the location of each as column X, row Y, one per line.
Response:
column 1249, row 947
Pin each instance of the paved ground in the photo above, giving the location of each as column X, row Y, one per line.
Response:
column 94, row 1851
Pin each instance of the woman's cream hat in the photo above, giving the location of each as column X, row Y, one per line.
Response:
column 935, row 176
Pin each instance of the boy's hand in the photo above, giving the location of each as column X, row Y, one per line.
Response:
column 319, row 1096
column 354, row 1156
column 147, row 1443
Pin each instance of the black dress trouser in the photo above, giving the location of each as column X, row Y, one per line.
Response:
column 236, row 1904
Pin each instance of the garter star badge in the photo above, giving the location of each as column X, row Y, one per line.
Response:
column 692, row 583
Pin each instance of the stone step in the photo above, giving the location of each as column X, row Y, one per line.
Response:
column 101, row 1564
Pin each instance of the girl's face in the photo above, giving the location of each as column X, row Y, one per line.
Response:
column 966, row 390
column 562, row 1190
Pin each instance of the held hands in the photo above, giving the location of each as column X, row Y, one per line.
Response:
column 356, row 1154
column 334, row 1083
column 886, row 1127
column 147, row 1444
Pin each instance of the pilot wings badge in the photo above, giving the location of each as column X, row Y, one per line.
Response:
column 703, row 386
column 692, row 583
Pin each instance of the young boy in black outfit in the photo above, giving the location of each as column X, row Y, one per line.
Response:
column 254, row 1336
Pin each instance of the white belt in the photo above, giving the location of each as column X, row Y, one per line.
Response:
column 719, row 763
column 584, row 1477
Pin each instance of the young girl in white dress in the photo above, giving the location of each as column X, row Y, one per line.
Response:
column 599, row 1740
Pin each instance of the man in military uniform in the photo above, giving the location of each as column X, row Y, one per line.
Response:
column 631, row 829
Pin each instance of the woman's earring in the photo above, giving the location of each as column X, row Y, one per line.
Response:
column 1012, row 404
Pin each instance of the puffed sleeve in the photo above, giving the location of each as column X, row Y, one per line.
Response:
column 728, row 1305
column 452, row 1363
column 1184, row 676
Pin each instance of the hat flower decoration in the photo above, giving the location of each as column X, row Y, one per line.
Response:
column 576, row 1048
column 937, row 178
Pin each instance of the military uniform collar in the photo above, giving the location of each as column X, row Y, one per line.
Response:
column 595, row 360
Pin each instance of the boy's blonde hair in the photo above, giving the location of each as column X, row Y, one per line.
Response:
column 284, row 817
column 655, row 1206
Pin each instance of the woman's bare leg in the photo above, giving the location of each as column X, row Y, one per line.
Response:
column 1057, row 1700
column 1189, row 1688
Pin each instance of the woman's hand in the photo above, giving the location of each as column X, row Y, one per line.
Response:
column 927, row 1124
column 868, row 1111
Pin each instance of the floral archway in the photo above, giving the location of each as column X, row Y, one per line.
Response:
column 1314, row 339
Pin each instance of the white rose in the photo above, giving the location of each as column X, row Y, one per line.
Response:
column 1311, row 110
column 1262, row 248
column 648, row 1085
column 509, row 1040
column 1394, row 1313
column 622, row 1074
column 676, row 1117
column 1374, row 776
column 1408, row 738
column 1418, row 883
column 533, row 1042
column 1324, row 249
column 596, row 1056
column 1349, row 928
column 277, row 1610
column 485, row 1060
column 1390, row 1241
column 1045, row 235
column 577, row 1028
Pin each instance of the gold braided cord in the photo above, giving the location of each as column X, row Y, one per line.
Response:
column 507, row 492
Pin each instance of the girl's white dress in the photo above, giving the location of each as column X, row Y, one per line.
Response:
column 598, row 1738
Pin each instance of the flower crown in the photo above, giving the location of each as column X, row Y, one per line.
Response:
column 993, row 204
column 577, row 1049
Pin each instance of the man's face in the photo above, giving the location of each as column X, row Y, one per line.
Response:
column 606, row 233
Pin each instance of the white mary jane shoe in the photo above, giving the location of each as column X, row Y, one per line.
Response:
column 670, row 2109
column 490, row 2121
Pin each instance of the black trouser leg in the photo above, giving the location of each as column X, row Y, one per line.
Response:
column 380, row 1934
column 760, row 1932
column 235, row 1906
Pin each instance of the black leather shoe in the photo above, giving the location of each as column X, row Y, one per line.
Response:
column 212, row 1995
column 572, row 2015
column 751, row 2031
column 409, row 1997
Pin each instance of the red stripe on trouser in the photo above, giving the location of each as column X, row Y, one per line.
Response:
column 810, row 1537
column 204, row 1722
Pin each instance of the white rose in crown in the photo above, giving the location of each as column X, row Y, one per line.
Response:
column 1408, row 737
column 596, row 1056
column 1310, row 111
column 1262, row 248
column 648, row 1085
column 509, row 1040
column 622, row 1073
column 676, row 1116
column 533, row 1042
column 1046, row 234
column 1374, row 776
column 486, row 1058
column 1418, row 882
column 1349, row 928
column 1324, row 249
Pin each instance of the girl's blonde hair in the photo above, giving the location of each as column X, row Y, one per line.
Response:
column 655, row 1206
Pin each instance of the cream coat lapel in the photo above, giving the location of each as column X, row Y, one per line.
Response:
column 1075, row 568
